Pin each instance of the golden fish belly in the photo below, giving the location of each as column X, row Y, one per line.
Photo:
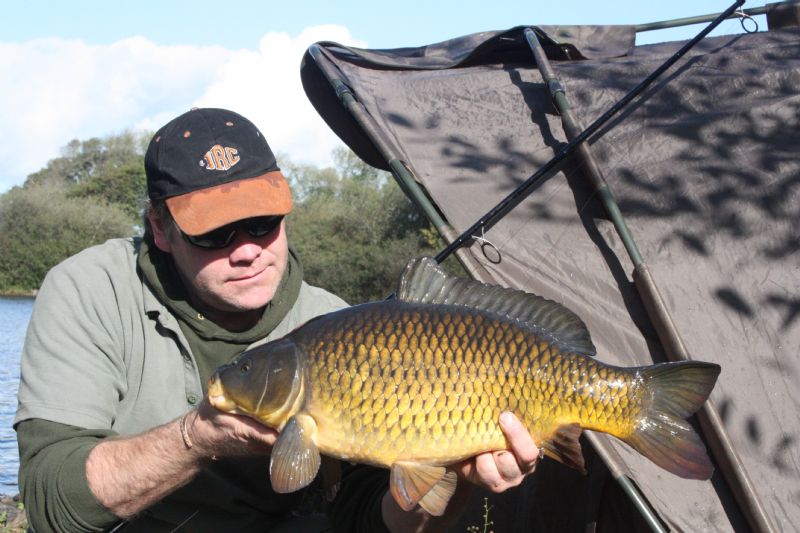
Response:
column 428, row 384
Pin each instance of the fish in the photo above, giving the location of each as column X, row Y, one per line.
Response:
column 416, row 384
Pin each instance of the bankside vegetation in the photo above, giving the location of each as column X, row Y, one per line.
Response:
column 351, row 225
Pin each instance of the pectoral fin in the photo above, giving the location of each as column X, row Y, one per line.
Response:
column 429, row 486
column 565, row 447
column 295, row 458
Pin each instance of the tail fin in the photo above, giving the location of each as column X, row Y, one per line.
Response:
column 662, row 434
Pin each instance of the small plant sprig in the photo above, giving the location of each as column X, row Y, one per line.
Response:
column 486, row 521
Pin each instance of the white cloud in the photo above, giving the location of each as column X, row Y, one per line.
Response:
column 55, row 90
column 264, row 85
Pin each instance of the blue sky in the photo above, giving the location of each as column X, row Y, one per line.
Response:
column 91, row 68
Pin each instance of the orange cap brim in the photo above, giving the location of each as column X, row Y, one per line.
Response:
column 201, row 211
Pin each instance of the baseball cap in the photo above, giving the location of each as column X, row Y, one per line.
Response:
column 213, row 167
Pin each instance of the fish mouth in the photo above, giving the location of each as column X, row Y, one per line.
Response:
column 216, row 395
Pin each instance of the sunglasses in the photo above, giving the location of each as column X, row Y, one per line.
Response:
column 224, row 236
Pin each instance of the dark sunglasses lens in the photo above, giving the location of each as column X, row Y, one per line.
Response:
column 258, row 227
column 218, row 238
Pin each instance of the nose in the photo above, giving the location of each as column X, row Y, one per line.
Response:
column 245, row 249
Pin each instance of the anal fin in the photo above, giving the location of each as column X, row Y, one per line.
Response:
column 429, row 486
column 436, row 500
column 565, row 447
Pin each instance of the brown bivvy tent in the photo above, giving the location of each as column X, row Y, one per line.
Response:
column 692, row 249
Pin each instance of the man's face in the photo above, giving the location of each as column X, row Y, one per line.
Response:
column 239, row 278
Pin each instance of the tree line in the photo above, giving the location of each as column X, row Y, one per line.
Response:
column 351, row 224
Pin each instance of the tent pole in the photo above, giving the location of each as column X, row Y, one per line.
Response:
column 721, row 446
column 602, row 445
column 573, row 128
column 402, row 173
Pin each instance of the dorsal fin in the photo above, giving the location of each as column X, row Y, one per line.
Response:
column 423, row 281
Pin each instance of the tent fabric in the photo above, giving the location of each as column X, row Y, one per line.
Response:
column 486, row 47
column 705, row 168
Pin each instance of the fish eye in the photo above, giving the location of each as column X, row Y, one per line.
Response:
column 245, row 367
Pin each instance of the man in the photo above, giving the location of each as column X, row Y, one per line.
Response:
column 113, row 426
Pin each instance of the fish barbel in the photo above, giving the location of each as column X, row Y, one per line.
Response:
column 417, row 383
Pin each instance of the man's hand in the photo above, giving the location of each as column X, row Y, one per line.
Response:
column 501, row 470
column 495, row 471
column 216, row 434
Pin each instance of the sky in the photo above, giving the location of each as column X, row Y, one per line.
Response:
column 83, row 69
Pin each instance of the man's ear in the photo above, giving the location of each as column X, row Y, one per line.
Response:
column 161, row 232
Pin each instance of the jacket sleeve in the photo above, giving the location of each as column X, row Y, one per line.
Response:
column 52, row 477
column 72, row 376
column 357, row 506
column 72, row 368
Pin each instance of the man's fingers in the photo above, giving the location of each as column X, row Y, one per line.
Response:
column 526, row 452
column 485, row 468
column 503, row 469
column 228, row 435
column 507, row 465
column 487, row 474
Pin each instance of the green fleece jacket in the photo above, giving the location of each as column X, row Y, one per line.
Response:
column 114, row 348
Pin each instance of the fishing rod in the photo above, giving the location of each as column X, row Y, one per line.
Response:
column 721, row 446
column 742, row 15
column 523, row 190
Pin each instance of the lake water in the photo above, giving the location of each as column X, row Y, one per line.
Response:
column 14, row 316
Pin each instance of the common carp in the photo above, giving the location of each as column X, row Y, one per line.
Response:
column 417, row 383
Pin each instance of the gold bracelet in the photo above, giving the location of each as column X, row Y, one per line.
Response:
column 184, row 432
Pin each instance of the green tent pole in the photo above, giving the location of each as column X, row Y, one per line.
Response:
column 721, row 446
column 402, row 173
column 359, row 113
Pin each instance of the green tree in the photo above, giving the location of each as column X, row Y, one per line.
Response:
column 352, row 225
column 109, row 170
column 354, row 228
column 123, row 184
column 307, row 181
column 41, row 226
column 81, row 160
